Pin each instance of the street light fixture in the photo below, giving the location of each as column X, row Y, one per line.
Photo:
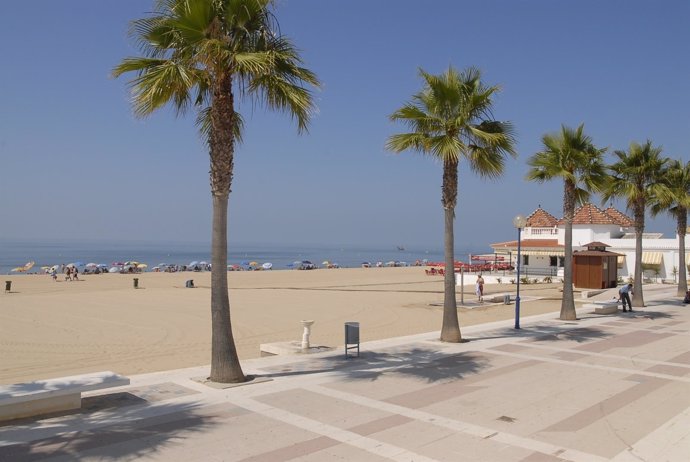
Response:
column 519, row 222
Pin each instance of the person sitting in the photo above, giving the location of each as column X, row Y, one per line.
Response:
column 687, row 297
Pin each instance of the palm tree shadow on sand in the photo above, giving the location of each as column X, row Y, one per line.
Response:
column 133, row 437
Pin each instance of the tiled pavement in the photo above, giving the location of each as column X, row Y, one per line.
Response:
column 602, row 388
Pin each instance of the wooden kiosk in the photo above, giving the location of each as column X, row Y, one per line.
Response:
column 595, row 268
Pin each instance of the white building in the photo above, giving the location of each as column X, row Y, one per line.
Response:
column 542, row 243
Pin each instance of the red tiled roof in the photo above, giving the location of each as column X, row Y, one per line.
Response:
column 619, row 217
column 540, row 218
column 590, row 214
column 529, row 243
column 596, row 244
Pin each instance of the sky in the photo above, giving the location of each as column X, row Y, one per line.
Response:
column 76, row 164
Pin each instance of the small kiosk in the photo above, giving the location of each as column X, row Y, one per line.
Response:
column 595, row 268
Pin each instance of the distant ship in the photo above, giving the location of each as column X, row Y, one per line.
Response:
column 401, row 248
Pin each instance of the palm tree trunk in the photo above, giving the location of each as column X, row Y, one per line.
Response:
column 225, row 364
column 568, row 302
column 638, row 298
column 450, row 330
column 682, row 217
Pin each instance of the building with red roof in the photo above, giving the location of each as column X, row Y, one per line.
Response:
column 543, row 238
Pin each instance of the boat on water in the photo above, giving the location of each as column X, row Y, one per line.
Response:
column 401, row 248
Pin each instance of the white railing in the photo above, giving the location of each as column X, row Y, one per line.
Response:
column 541, row 231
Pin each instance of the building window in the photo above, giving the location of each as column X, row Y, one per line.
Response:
column 553, row 261
column 525, row 260
column 561, row 262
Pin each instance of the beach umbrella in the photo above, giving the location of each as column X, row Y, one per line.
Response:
column 117, row 263
column 253, row 263
column 91, row 265
column 194, row 263
column 203, row 263
column 45, row 268
column 142, row 265
column 267, row 266
column 115, row 269
column 325, row 262
column 19, row 269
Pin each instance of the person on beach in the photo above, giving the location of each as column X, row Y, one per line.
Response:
column 625, row 293
column 53, row 274
column 75, row 274
column 480, row 288
column 68, row 273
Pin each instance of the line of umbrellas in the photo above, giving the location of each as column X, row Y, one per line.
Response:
column 135, row 266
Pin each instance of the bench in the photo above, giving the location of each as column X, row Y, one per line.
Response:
column 603, row 307
column 500, row 298
column 52, row 395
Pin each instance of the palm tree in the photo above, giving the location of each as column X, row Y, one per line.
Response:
column 451, row 119
column 201, row 54
column 571, row 156
column 637, row 178
column 677, row 179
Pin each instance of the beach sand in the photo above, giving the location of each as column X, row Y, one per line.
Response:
column 51, row 329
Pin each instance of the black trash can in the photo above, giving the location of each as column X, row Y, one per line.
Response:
column 8, row 286
column 351, row 337
column 136, row 283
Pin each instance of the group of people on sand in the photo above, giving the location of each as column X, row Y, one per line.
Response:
column 71, row 274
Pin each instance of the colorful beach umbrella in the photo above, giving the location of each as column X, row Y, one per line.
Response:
column 267, row 266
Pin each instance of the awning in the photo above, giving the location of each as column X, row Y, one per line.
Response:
column 544, row 253
column 651, row 258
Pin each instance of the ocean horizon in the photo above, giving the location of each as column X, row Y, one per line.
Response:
column 16, row 253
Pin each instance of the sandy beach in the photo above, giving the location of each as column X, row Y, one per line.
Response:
column 51, row 329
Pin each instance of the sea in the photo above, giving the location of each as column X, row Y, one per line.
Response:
column 17, row 253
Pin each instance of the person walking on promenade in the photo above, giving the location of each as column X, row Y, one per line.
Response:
column 625, row 293
column 480, row 288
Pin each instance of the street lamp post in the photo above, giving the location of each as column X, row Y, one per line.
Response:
column 519, row 222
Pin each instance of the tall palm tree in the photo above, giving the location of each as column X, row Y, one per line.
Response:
column 571, row 156
column 201, row 54
column 677, row 202
column 451, row 120
column 636, row 178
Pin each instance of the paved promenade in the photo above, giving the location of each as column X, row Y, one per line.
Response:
column 613, row 387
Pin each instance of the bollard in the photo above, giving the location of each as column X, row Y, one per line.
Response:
column 136, row 283
column 305, row 334
column 8, row 286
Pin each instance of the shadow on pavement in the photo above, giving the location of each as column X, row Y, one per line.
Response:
column 425, row 364
column 134, row 438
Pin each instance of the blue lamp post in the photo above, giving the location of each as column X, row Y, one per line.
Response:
column 519, row 222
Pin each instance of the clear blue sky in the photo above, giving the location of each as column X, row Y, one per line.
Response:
column 75, row 163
